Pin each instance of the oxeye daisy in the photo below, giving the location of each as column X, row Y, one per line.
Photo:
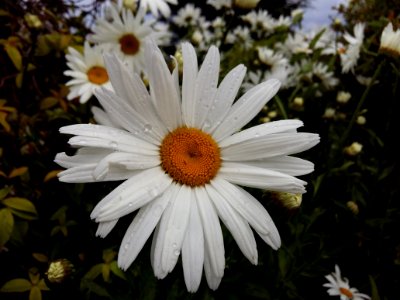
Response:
column 87, row 71
column 158, row 6
column 339, row 286
column 185, row 162
column 351, row 53
column 125, row 33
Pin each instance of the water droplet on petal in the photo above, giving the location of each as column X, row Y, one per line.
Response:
column 126, row 246
column 113, row 145
column 176, row 252
column 147, row 128
column 174, row 245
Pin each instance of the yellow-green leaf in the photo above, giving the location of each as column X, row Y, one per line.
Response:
column 109, row 255
column 16, row 285
column 95, row 271
column 6, row 225
column 24, row 215
column 35, row 293
column 14, row 55
column 18, row 79
column 4, row 192
column 116, row 270
column 18, row 172
column 48, row 102
column 21, row 204
column 105, row 271
column 42, row 285
column 40, row 257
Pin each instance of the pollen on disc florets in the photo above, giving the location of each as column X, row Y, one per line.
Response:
column 97, row 75
column 190, row 156
column 129, row 44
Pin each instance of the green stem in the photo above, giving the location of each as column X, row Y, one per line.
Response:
column 360, row 104
column 278, row 101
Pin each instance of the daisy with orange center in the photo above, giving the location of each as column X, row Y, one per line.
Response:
column 185, row 162
column 338, row 286
column 87, row 71
column 124, row 33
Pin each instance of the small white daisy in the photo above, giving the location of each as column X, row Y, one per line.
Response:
column 189, row 15
column 351, row 53
column 340, row 287
column 184, row 159
column 218, row 4
column 125, row 34
column 87, row 71
column 390, row 41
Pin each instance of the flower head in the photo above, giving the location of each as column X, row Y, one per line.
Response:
column 340, row 287
column 184, row 159
column 351, row 54
column 87, row 71
column 125, row 33
column 390, row 41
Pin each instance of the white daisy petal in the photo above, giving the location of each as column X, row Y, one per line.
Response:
column 225, row 95
column 251, row 210
column 105, row 228
column 157, row 244
column 190, row 69
column 143, row 188
column 193, row 249
column 214, row 243
column 213, row 278
column 176, row 224
column 252, row 176
column 284, row 164
column 102, row 118
column 236, row 224
column 140, row 229
column 162, row 90
column 82, row 157
column 246, row 108
column 269, row 146
column 206, row 86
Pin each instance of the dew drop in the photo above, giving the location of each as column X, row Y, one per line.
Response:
column 174, row 245
column 153, row 192
column 147, row 128
column 113, row 145
column 126, row 246
column 130, row 204
column 176, row 252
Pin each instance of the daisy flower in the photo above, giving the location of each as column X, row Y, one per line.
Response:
column 184, row 161
column 390, row 41
column 340, row 287
column 349, row 56
column 124, row 33
column 87, row 71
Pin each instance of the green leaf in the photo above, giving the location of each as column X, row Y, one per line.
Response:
column 108, row 255
column 374, row 289
column 35, row 293
column 42, row 285
column 4, row 192
column 116, row 270
column 6, row 225
column 95, row 271
column 14, row 55
column 16, row 285
column 105, row 271
column 20, row 204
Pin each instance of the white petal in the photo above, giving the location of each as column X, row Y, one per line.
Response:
column 162, row 88
column 144, row 187
column 270, row 145
column 236, row 224
column 129, row 161
column 250, row 209
column 226, row 93
column 206, row 86
column 84, row 173
column 246, row 108
column 176, row 224
column 105, row 228
column 83, row 156
column 251, row 176
column 140, row 229
column 190, row 69
column 102, row 118
column 284, row 164
column 126, row 116
column 193, row 249
column 100, row 136
column 131, row 88
column 261, row 130
column 213, row 279
column 157, row 244
column 214, row 244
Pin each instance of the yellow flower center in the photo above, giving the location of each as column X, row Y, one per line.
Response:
column 97, row 75
column 346, row 292
column 129, row 44
column 190, row 156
